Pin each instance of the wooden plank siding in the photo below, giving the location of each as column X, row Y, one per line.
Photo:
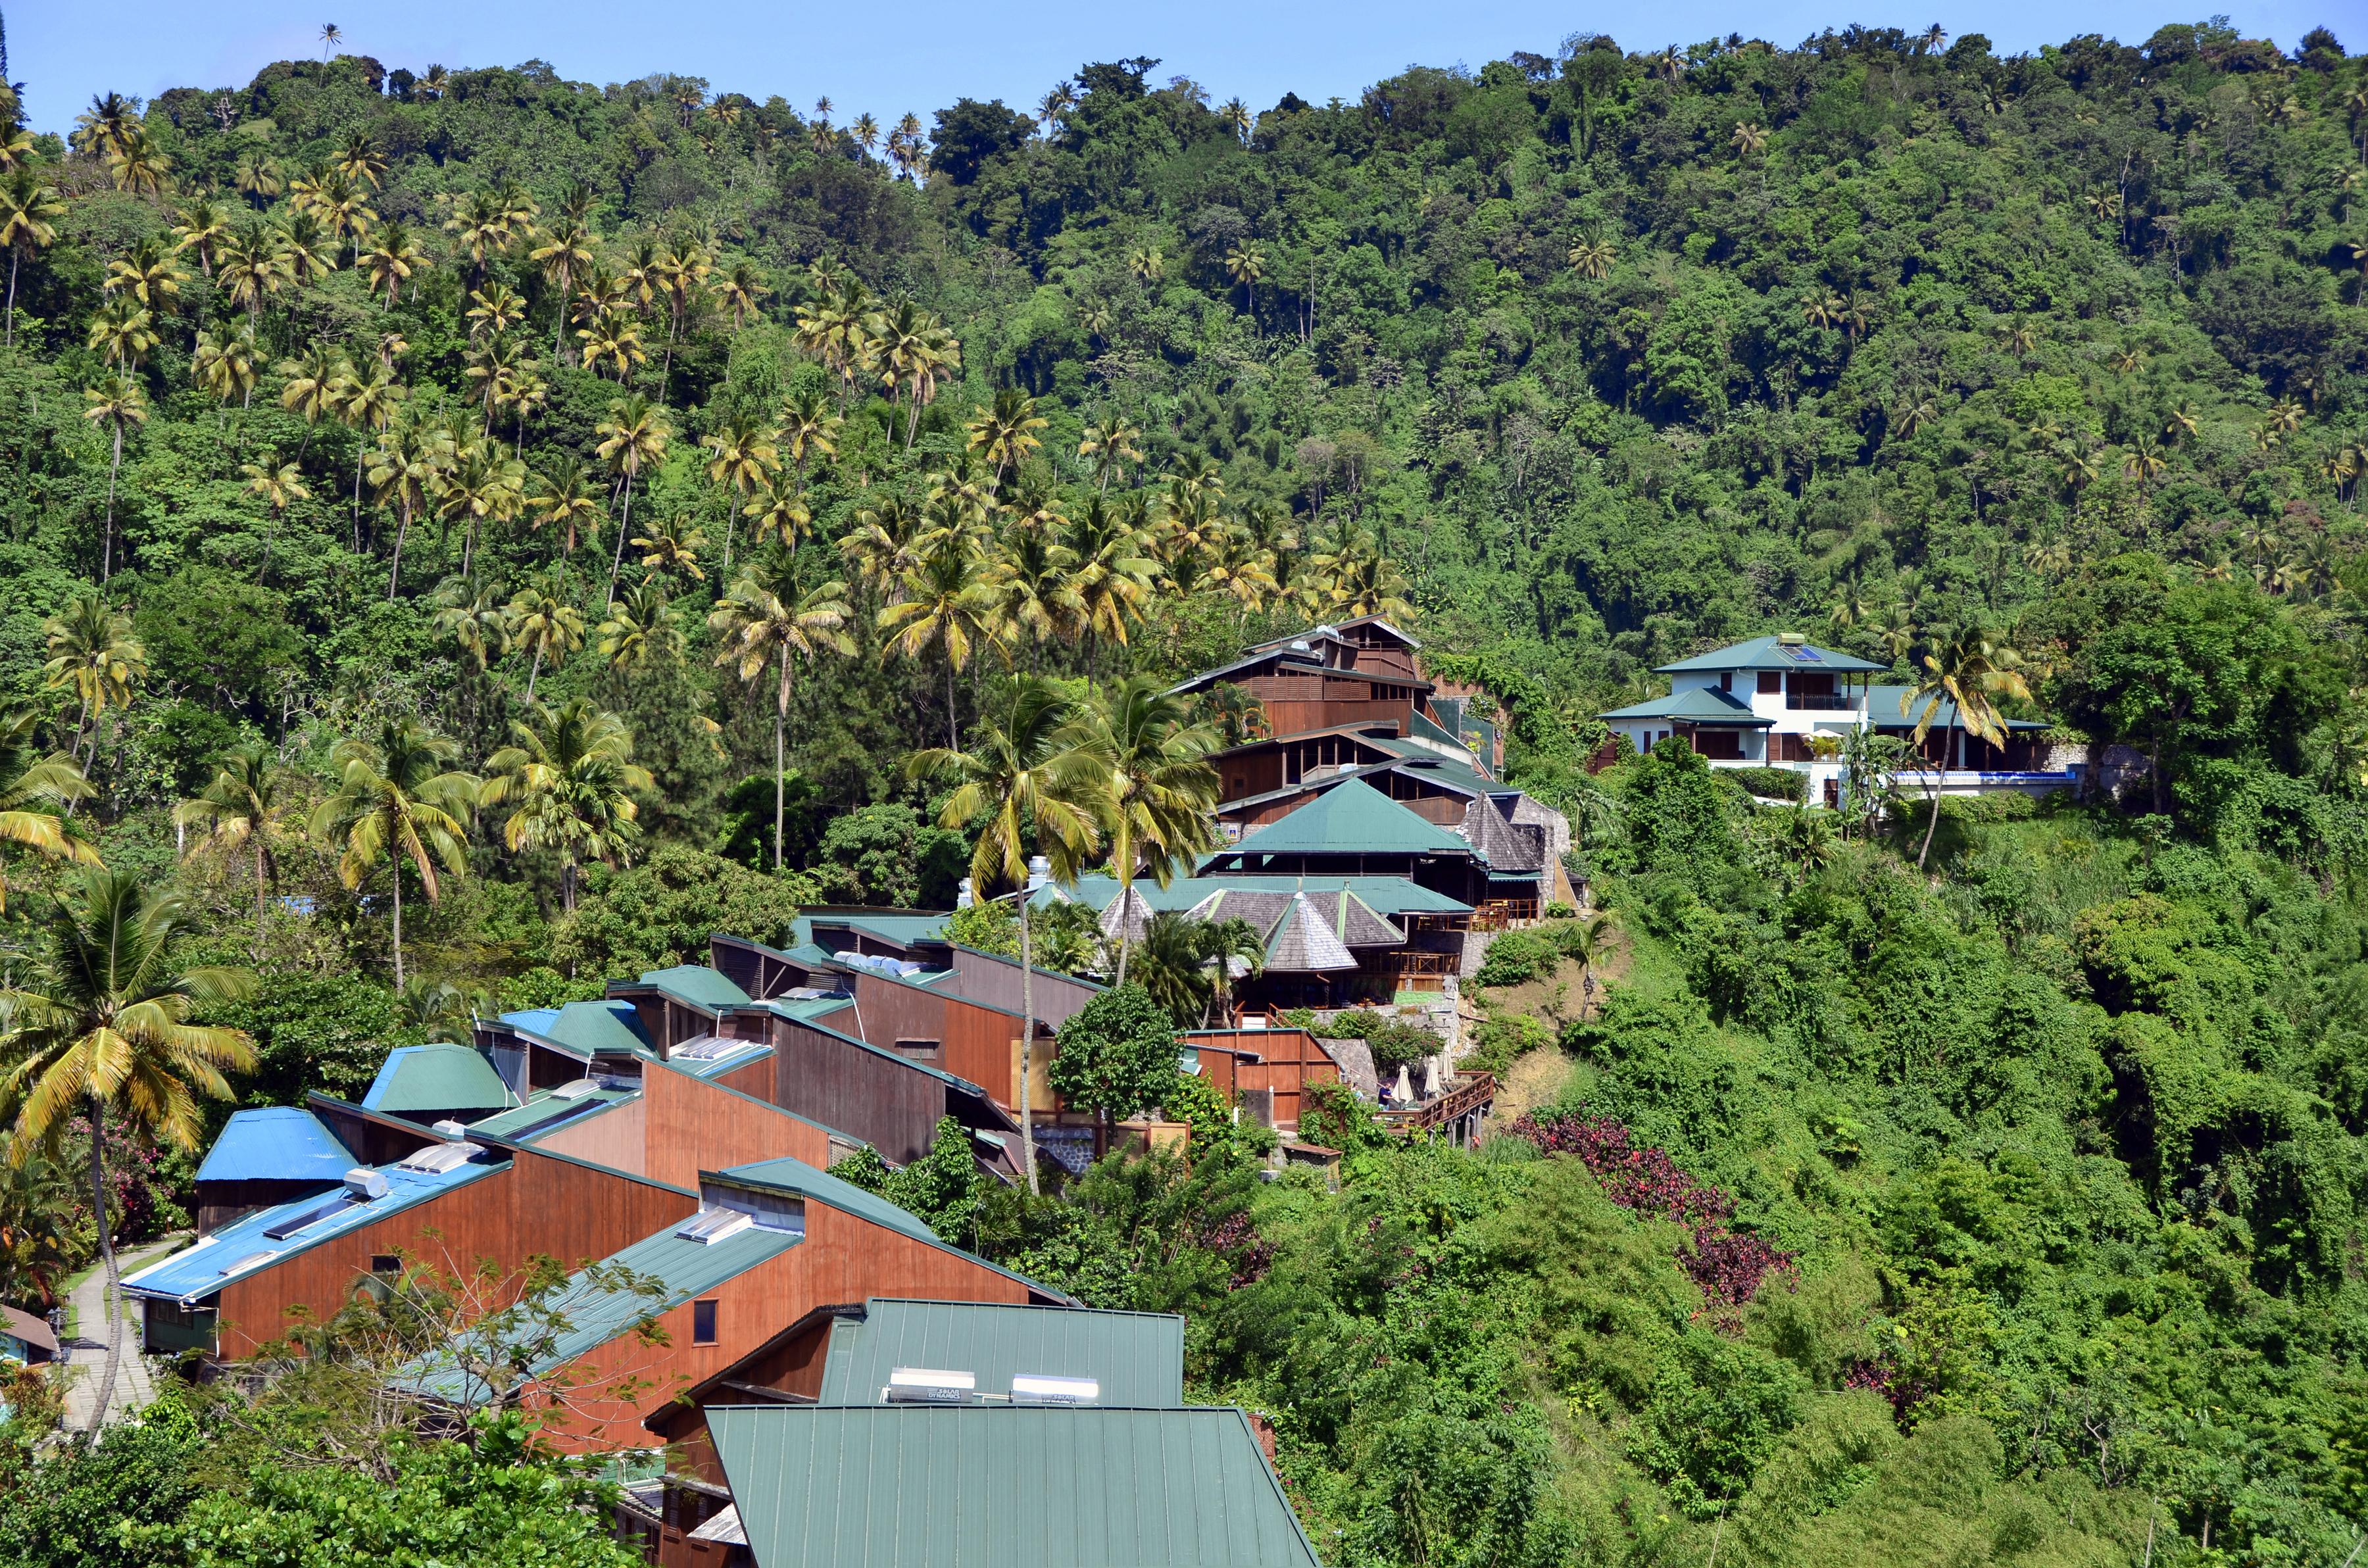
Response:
column 973, row 1041
column 792, row 1367
column 617, row 1137
column 842, row 1258
column 1285, row 1061
column 539, row 1204
column 991, row 979
column 822, row 1076
column 696, row 1125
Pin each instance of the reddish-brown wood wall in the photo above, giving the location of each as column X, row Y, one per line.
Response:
column 695, row 1126
column 866, row 1094
column 617, row 1137
column 974, row 1041
column 841, row 1260
column 537, row 1205
column 1290, row 1061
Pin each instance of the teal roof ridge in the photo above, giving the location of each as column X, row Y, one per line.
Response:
column 1350, row 818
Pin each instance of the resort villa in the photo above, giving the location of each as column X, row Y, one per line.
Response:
column 1781, row 701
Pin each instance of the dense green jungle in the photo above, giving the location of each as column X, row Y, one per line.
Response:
column 466, row 533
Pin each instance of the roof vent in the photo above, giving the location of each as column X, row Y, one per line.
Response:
column 449, row 1129
column 434, row 1160
column 712, row 1224
column 365, row 1184
column 575, row 1089
column 926, row 1385
column 1031, row 1388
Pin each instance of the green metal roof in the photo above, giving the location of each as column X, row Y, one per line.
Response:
column 1702, row 705
column 588, row 1028
column 435, row 1077
column 998, row 1487
column 1350, row 819
column 1770, row 653
column 793, row 1175
column 1386, row 895
column 1898, row 707
column 543, row 1114
column 675, row 1270
column 697, row 985
column 1138, row 1357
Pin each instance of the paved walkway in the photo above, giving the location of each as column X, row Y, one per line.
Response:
column 86, row 1351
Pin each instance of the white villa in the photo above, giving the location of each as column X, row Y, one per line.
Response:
column 1763, row 703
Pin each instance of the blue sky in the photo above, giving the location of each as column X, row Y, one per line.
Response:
column 923, row 54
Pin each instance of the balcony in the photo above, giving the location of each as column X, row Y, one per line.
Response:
column 1820, row 702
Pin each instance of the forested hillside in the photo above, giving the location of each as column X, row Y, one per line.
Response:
column 474, row 533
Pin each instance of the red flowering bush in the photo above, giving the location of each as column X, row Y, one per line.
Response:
column 1729, row 1264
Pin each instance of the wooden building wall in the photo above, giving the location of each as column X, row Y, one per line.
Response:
column 794, row 1367
column 882, row 1102
column 1288, row 1061
column 695, row 1125
column 617, row 1137
column 841, row 1260
column 538, row 1204
column 994, row 981
column 974, row 1041
column 750, row 1077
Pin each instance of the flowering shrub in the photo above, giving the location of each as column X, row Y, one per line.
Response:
column 1728, row 1265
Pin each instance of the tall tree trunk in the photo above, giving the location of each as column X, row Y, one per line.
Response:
column 1027, row 1039
column 361, row 455
column 1125, row 909
column 1933, row 824
column 257, row 831
column 395, row 572
column 397, row 862
column 107, row 549
column 110, row 1302
column 780, row 725
column 14, row 252
column 625, row 526
column 953, row 740
column 533, row 675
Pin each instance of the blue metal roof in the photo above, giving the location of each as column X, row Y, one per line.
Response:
column 196, row 1272
column 276, row 1143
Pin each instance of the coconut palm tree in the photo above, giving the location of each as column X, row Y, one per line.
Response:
column 93, row 656
column 564, row 256
column 407, row 468
column 948, row 602
column 745, row 450
column 30, row 210
column 102, row 1027
column 1026, row 775
column 398, row 799
column 472, row 615
column 367, row 404
column 225, row 364
column 632, row 438
column 391, row 261
column 1158, row 788
column 1969, row 669
column 544, row 623
column 771, row 617
column 1004, row 432
column 561, row 495
column 639, row 627
column 808, row 427
column 1246, row 263
column 117, row 402
column 569, row 779
column 239, row 809
column 36, row 788
column 1219, row 944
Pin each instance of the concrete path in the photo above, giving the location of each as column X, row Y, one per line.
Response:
column 85, row 1350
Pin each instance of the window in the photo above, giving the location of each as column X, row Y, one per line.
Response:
column 919, row 1050
column 702, row 1322
column 386, row 1263
column 1771, row 682
column 1726, row 680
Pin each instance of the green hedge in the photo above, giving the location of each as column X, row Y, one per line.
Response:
column 1776, row 783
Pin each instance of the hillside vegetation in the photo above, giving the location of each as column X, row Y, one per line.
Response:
column 1999, row 1200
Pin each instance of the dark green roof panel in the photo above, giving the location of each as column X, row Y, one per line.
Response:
column 1137, row 1358
column 998, row 1486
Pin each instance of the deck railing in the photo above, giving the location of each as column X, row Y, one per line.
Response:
column 1471, row 1092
